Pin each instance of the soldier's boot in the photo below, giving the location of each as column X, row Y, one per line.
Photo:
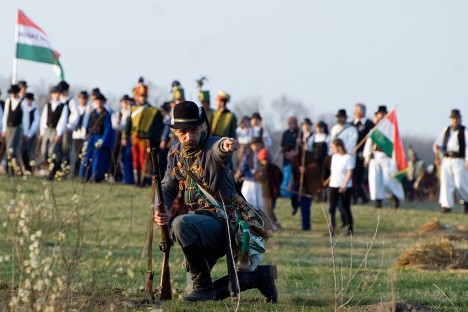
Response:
column 266, row 275
column 137, row 177
column 262, row 278
column 378, row 203
column 200, row 272
column 396, row 202
column 466, row 207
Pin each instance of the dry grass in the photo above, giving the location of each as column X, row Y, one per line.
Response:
column 430, row 226
column 434, row 256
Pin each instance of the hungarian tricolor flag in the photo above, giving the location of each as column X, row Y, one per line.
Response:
column 33, row 44
column 387, row 137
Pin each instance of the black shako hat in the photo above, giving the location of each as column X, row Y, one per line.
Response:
column 186, row 115
column 455, row 113
column 14, row 89
column 341, row 113
column 125, row 98
column 83, row 94
column 256, row 115
column 381, row 109
column 29, row 96
column 307, row 121
column 63, row 86
column 100, row 97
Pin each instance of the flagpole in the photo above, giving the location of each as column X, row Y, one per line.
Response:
column 13, row 76
column 15, row 60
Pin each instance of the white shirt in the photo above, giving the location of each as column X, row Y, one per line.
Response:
column 244, row 135
column 452, row 143
column 349, row 135
column 124, row 119
column 368, row 149
column 14, row 105
column 81, row 132
column 62, row 123
column 30, row 129
column 73, row 109
column 318, row 138
column 340, row 164
column 266, row 137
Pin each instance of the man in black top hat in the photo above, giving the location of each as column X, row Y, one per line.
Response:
column 13, row 128
column 72, row 120
column 381, row 170
column 346, row 132
column 259, row 130
column 363, row 126
column 452, row 146
column 201, row 232
column 52, row 128
column 79, row 134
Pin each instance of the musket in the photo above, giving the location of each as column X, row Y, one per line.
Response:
column 157, row 204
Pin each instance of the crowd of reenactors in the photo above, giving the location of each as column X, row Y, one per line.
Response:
column 84, row 137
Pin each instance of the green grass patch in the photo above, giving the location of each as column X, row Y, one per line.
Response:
column 109, row 223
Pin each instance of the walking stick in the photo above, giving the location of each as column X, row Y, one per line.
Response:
column 301, row 176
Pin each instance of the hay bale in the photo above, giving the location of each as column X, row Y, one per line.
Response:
column 433, row 256
column 462, row 228
column 454, row 237
column 430, row 226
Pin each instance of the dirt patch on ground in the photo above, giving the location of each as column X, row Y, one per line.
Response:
column 395, row 307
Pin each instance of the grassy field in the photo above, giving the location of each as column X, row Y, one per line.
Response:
column 91, row 246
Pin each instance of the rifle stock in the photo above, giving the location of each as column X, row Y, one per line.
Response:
column 165, row 292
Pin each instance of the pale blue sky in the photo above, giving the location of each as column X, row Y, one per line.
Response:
column 327, row 54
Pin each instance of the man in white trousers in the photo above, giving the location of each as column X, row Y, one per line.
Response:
column 452, row 146
column 381, row 170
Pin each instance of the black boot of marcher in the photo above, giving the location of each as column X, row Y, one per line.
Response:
column 200, row 271
column 262, row 278
column 466, row 207
column 396, row 202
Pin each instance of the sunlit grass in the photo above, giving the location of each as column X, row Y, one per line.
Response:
column 112, row 267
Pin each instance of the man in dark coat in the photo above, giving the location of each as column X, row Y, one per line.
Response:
column 200, row 159
column 363, row 125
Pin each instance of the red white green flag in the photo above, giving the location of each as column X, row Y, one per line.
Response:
column 387, row 137
column 33, row 44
